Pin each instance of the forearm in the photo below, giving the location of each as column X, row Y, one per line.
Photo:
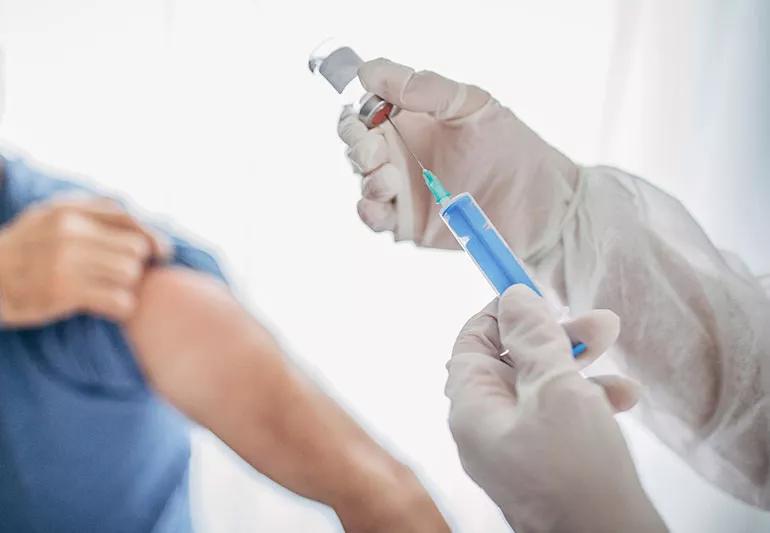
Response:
column 292, row 432
column 219, row 366
column 695, row 332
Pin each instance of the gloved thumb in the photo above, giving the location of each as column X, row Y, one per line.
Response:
column 476, row 375
column 422, row 92
column 480, row 334
column 538, row 346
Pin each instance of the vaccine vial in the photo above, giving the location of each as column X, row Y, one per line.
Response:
column 338, row 64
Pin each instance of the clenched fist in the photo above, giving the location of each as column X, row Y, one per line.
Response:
column 71, row 256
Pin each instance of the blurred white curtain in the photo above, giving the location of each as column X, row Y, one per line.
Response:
column 688, row 107
column 205, row 111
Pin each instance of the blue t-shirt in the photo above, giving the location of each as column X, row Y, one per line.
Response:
column 85, row 445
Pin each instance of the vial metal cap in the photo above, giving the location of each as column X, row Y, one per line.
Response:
column 374, row 111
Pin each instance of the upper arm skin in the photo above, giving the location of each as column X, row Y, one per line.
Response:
column 202, row 351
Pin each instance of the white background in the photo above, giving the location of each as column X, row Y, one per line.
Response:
column 205, row 112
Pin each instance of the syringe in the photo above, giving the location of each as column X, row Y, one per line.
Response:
column 478, row 236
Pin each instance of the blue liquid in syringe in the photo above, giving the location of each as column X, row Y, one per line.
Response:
column 482, row 242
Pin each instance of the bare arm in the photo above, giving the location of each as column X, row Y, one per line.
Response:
column 205, row 354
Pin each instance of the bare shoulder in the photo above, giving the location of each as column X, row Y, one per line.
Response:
column 177, row 307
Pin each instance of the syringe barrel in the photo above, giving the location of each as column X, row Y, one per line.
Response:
column 481, row 240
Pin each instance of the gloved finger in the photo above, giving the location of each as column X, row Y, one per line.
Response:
column 623, row 393
column 478, row 387
column 369, row 152
column 380, row 216
column 383, row 184
column 475, row 372
column 538, row 346
column 478, row 374
column 480, row 334
column 423, row 91
column 482, row 396
column 598, row 329
column 350, row 128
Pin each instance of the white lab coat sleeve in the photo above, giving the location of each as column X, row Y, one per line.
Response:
column 695, row 323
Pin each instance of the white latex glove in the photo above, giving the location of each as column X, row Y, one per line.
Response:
column 471, row 142
column 538, row 437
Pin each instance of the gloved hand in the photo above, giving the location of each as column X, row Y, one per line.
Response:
column 75, row 255
column 472, row 143
column 536, row 436
column 601, row 238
